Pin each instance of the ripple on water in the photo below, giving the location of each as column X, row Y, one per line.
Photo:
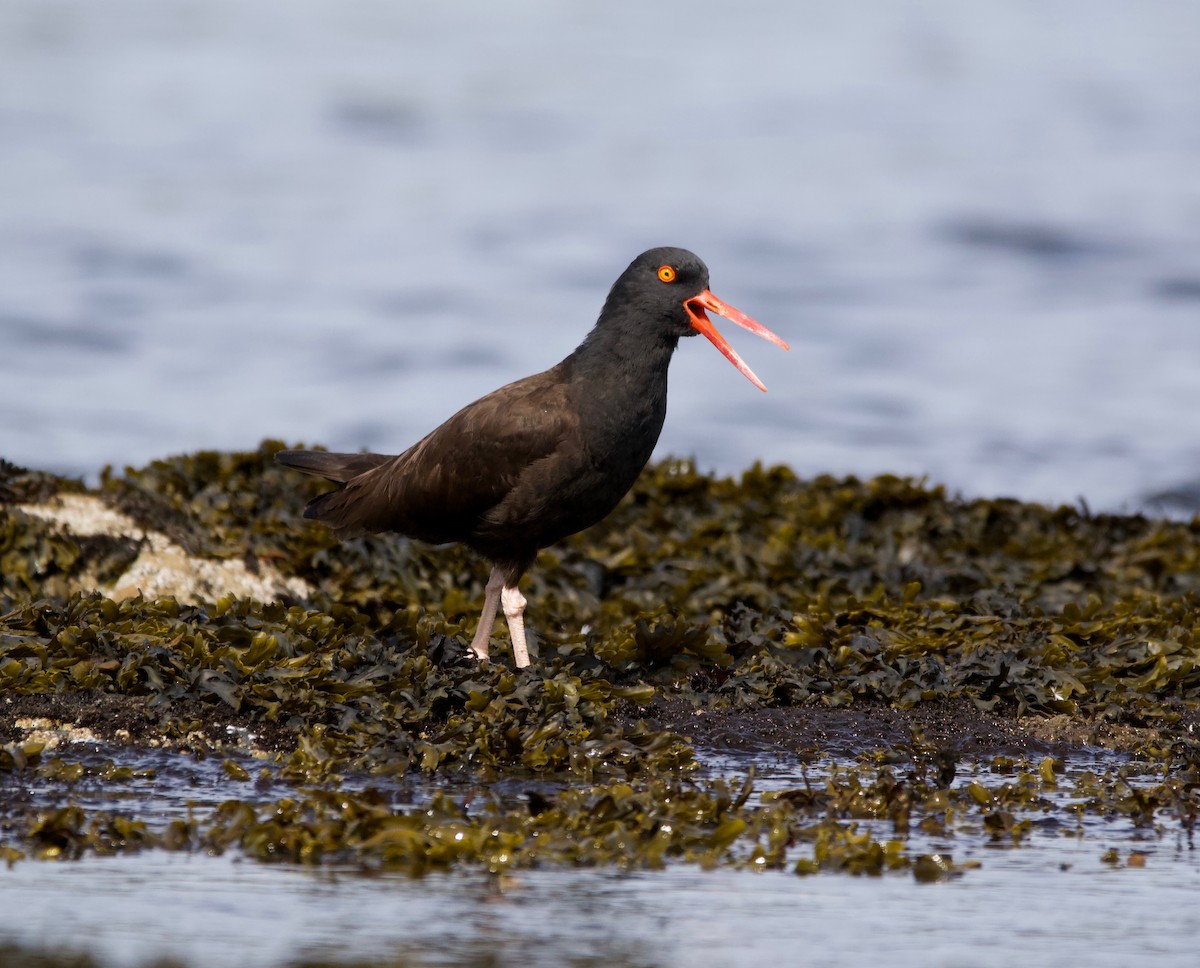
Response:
column 1054, row 899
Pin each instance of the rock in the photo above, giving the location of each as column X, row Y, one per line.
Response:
column 163, row 568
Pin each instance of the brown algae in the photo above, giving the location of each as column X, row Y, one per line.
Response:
column 702, row 609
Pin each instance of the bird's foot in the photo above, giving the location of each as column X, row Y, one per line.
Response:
column 483, row 634
column 479, row 644
column 513, row 603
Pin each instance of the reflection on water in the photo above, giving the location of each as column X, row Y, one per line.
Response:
column 1052, row 900
column 1018, row 906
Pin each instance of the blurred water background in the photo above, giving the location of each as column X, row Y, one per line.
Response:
column 337, row 222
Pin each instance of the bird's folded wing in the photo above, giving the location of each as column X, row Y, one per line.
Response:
column 441, row 487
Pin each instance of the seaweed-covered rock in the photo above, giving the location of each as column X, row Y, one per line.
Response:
column 192, row 601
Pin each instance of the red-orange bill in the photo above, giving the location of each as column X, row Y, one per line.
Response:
column 701, row 323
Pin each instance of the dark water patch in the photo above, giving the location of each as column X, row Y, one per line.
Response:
column 56, row 334
column 1184, row 498
column 885, row 405
column 471, row 354
column 1033, row 240
column 1177, row 289
column 107, row 259
column 155, row 785
column 382, row 120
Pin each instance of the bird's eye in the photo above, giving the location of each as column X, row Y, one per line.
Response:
column 666, row 273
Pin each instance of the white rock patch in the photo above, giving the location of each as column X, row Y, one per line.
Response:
column 164, row 569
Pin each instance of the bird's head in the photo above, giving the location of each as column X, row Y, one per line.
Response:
column 668, row 287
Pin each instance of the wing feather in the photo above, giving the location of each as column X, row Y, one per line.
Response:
column 442, row 487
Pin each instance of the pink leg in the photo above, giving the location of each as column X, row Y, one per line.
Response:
column 514, row 609
column 487, row 618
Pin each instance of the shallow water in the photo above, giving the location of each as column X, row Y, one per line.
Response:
column 1052, row 901
column 1015, row 909
column 978, row 227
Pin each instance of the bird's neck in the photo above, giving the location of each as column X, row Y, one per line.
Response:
column 624, row 356
column 619, row 388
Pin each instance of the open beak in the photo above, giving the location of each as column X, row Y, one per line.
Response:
column 701, row 323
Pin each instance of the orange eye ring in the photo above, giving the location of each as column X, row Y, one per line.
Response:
column 666, row 273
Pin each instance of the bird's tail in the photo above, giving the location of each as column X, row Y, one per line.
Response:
column 338, row 468
column 339, row 509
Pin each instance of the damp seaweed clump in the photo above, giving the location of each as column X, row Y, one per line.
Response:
column 896, row 639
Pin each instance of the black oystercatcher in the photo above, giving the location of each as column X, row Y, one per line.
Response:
column 546, row 456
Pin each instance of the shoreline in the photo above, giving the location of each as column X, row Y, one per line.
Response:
column 824, row 621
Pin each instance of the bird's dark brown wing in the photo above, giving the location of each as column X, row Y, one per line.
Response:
column 444, row 486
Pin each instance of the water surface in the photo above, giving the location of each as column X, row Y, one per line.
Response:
column 1051, row 901
column 978, row 227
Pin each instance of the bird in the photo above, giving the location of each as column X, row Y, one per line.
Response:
column 546, row 456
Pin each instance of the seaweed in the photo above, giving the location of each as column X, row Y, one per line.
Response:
column 716, row 596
